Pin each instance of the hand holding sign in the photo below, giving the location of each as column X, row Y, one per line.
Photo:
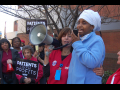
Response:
column 27, row 68
column 35, row 54
column 27, row 80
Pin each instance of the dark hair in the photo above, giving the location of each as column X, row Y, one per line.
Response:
column 55, row 35
column 29, row 48
column 42, row 44
column 14, row 39
column 2, row 41
column 64, row 31
column 23, row 45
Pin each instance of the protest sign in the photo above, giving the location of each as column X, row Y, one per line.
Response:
column 27, row 68
column 30, row 23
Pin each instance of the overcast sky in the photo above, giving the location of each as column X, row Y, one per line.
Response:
column 9, row 22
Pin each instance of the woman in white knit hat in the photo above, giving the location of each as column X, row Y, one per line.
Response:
column 88, row 50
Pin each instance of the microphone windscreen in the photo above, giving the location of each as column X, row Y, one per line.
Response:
column 55, row 43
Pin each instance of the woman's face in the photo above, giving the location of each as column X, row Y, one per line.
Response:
column 5, row 46
column 66, row 39
column 16, row 43
column 22, row 44
column 27, row 54
column 41, row 48
column 84, row 27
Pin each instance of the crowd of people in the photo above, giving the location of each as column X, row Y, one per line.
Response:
column 78, row 63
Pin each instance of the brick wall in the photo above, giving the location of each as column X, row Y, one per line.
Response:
column 107, row 11
column 111, row 39
column 110, row 62
column 24, row 37
column 112, row 45
column 111, row 11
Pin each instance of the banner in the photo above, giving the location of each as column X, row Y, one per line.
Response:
column 30, row 23
column 27, row 68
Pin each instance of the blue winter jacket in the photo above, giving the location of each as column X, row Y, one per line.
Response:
column 87, row 55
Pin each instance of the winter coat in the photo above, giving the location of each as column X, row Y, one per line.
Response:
column 14, row 56
column 114, row 78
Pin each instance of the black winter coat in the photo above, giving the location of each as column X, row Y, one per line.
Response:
column 14, row 56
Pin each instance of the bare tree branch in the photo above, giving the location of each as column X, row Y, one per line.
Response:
column 50, row 17
column 60, row 16
column 102, row 6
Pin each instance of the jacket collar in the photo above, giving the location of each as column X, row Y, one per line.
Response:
column 87, row 36
column 29, row 59
column 84, row 37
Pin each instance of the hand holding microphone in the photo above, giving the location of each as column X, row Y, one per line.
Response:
column 9, row 61
column 74, row 37
column 48, row 49
column 9, row 65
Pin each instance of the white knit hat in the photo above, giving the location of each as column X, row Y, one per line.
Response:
column 92, row 18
